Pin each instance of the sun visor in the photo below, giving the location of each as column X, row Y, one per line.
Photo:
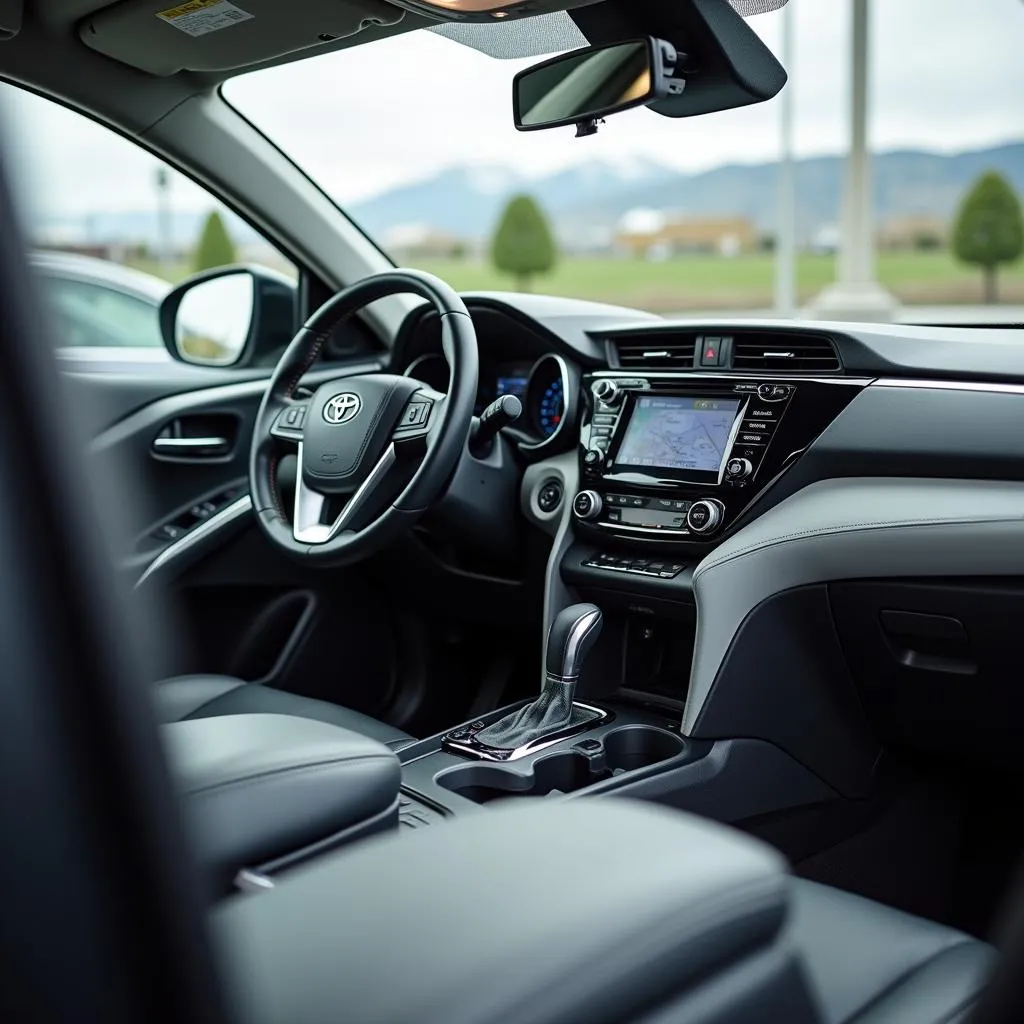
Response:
column 162, row 37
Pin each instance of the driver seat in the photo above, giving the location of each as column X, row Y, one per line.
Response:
column 186, row 697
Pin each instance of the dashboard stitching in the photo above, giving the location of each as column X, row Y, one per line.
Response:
column 826, row 531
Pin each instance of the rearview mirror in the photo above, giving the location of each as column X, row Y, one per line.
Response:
column 586, row 85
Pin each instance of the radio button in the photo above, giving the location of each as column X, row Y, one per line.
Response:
column 753, row 438
column 765, row 426
column 603, row 419
column 638, row 502
column 738, row 469
column 587, row 505
column 774, row 392
column 600, row 431
column 705, row 516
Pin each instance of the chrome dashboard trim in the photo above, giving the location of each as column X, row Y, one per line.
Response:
column 703, row 376
column 992, row 387
column 239, row 507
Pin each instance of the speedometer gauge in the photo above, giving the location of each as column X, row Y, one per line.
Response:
column 551, row 408
column 551, row 399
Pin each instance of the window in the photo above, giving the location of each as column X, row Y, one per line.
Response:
column 113, row 228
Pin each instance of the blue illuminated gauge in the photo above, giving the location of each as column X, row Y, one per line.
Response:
column 551, row 408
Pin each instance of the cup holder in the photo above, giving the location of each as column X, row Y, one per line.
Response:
column 625, row 749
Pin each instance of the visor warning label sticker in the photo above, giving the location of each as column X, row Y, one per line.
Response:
column 199, row 17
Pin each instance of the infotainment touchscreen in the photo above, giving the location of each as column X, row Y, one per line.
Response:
column 679, row 433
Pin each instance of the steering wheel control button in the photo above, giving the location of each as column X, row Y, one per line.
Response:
column 550, row 496
column 738, row 469
column 705, row 516
column 587, row 505
column 415, row 415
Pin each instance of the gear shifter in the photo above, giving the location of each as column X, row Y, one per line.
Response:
column 570, row 639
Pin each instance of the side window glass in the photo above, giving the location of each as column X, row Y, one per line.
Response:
column 109, row 246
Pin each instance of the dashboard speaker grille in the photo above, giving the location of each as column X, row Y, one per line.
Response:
column 784, row 352
column 655, row 351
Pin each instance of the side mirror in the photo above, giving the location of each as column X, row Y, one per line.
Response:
column 230, row 316
column 585, row 85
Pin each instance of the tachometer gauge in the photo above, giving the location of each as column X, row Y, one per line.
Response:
column 551, row 408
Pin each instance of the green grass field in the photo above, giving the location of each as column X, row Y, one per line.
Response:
column 716, row 283
column 745, row 282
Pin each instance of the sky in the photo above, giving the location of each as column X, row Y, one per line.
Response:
column 946, row 75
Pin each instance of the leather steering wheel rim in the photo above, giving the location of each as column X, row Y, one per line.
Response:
column 379, row 399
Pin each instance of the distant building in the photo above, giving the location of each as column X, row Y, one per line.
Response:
column 421, row 241
column 649, row 235
column 913, row 231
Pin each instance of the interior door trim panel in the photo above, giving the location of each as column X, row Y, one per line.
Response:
column 851, row 528
column 179, row 555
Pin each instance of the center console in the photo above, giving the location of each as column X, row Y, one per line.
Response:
column 662, row 459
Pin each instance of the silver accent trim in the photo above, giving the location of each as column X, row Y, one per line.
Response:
column 569, row 402
column 479, row 753
column 739, row 378
column 174, row 444
column 248, row 880
column 649, row 531
column 581, row 629
column 950, row 385
column 716, row 513
column 309, row 504
column 238, row 508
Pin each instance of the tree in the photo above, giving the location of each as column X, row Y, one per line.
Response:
column 989, row 228
column 523, row 245
column 215, row 248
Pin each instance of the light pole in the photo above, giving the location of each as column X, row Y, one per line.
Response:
column 785, row 220
column 163, row 213
column 856, row 295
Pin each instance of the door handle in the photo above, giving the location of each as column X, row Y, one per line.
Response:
column 191, row 446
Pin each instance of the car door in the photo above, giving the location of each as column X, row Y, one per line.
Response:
column 236, row 606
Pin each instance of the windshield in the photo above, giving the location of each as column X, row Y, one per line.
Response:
column 413, row 137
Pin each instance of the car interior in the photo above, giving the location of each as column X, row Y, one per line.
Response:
column 434, row 656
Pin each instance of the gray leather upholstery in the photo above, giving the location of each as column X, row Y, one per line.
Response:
column 553, row 912
column 187, row 697
column 609, row 911
column 261, row 786
column 873, row 965
column 848, row 529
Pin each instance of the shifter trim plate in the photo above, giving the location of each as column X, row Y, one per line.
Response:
column 468, row 746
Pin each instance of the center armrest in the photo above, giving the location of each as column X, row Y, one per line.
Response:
column 589, row 910
column 258, row 787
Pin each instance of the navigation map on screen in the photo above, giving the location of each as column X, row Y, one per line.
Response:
column 678, row 433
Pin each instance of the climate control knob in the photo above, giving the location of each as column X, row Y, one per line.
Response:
column 739, row 469
column 705, row 516
column 606, row 391
column 587, row 505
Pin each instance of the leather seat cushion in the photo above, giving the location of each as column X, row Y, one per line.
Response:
column 870, row 964
column 188, row 697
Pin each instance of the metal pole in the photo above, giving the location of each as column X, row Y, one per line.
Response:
column 163, row 195
column 785, row 221
column 857, row 257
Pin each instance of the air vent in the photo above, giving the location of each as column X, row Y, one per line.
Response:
column 786, row 353
column 656, row 351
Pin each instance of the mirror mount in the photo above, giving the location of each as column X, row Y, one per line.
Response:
column 583, row 87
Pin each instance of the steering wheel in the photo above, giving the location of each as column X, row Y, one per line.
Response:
column 374, row 451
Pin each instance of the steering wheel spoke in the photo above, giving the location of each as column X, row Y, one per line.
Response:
column 312, row 508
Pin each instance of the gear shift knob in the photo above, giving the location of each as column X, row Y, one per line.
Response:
column 570, row 639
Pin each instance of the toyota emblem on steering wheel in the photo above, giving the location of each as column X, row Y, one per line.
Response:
column 341, row 408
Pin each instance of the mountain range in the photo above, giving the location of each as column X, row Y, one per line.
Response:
column 587, row 201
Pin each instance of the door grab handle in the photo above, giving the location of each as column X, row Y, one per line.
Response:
column 194, row 446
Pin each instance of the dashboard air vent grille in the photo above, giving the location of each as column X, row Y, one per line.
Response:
column 656, row 351
column 784, row 352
